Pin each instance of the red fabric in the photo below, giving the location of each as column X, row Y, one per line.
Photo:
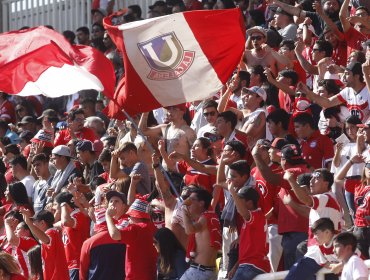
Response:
column 223, row 51
column 300, row 71
column 7, row 112
column 355, row 39
column 17, row 277
column 253, row 244
column 63, row 137
column 317, row 149
column 25, row 244
column 362, row 200
column 340, row 54
column 139, row 238
column 286, row 101
column 73, row 238
column 351, row 184
column 26, row 54
column 53, row 257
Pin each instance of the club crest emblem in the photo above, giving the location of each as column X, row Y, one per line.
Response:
column 166, row 57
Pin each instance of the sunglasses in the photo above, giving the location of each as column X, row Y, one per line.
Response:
column 212, row 114
column 367, row 165
column 256, row 38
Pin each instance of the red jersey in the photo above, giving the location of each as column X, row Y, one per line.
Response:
column 242, row 137
column 286, row 101
column 20, row 253
column 362, row 199
column 339, row 55
column 196, row 177
column 253, row 245
column 138, row 238
column 355, row 39
column 73, row 238
column 268, row 192
column 7, row 112
column 317, row 150
column 63, row 137
column 54, row 264
column 288, row 219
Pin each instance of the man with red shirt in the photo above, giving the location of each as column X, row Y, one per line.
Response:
column 317, row 149
column 52, row 249
column 138, row 237
column 75, row 230
column 292, row 217
column 75, row 129
column 253, row 246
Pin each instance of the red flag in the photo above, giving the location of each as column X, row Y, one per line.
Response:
column 41, row 61
column 177, row 58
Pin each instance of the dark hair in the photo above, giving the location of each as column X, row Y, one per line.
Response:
column 89, row 102
column 325, row 46
column 352, row 119
column 96, row 181
column 279, row 115
column 228, row 4
column 326, row 175
column 34, row 257
column 111, row 140
column 363, row 8
column 258, row 17
column 69, row 35
column 288, row 43
column 323, row 224
column 12, row 148
column 84, row 30
column 65, row 197
column 229, row 116
column 20, row 160
column 346, row 238
column 74, row 112
column 4, row 125
column 15, row 214
column 245, row 76
column 290, row 74
column 98, row 25
column 330, row 85
column 40, row 157
column 105, row 155
column 361, row 56
column 258, row 70
column 128, row 146
column 136, row 9
column 19, row 193
column 202, row 195
column 249, row 193
column 305, row 118
column 241, row 167
column 238, row 147
column 210, row 104
column 206, row 144
column 168, row 248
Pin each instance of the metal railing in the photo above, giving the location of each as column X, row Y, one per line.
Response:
column 282, row 274
column 61, row 14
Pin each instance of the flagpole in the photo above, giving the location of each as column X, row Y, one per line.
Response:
column 153, row 151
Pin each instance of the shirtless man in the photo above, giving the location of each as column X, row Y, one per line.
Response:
column 260, row 54
column 178, row 135
column 204, row 242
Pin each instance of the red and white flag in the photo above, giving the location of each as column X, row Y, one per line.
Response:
column 177, row 58
column 41, row 61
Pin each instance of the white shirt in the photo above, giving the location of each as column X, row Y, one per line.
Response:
column 28, row 182
column 358, row 104
column 354, row 269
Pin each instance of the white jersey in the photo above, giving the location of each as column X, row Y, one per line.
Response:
column 358, row 104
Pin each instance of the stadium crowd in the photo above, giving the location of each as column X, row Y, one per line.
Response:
column 271, row 174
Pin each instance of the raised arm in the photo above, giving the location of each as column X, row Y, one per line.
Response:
column 320, row 100
column 299, row 191
column 115, row 172
column 209, row 169
column 240, row 205
column 341, row 174
column 10, row 223
column 343, row 14
column 308, row 67
column 295, row 11
column 317, row 6
column 149, row 131
column 114, row 232
column 170, row 163
column 285, row 88
column 38, row 233
column 135, row 179
column 66, row 218
column 265, row 170
column 191, row 226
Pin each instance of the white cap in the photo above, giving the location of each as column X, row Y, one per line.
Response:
column 61, row 150
column 260, row 91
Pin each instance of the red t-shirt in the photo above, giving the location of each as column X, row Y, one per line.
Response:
column 340, row 54
column 195, row 177
column 286, row 101
column 354, row 39
column 73, row 238
column 288, row 219
column 25, row 244
column 54, row 264
column 63, row 136
column 138, row 238
column 302, row 75
column 362, row 200
column 317, row 150
column 268, row 192
column 253, row 245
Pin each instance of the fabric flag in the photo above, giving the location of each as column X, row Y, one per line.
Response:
column 41, row 61
column 177, row 58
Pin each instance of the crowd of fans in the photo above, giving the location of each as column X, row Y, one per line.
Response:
column 271, row 174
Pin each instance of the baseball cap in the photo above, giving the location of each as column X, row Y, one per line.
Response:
column 279, row 143
column 139, row 209
column 258, row 90
column 49, row 113
column 26, row 135
column 264, row 142
column 257, row 29
column 26, row 120
column 158, row 4
column 292, row 153
column 120, row 195
column 85, row 145
column 61, row 150
column 355, row 68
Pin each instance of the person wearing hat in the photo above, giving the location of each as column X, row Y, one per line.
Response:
column 97, row 251
column 259, row 54
column 52, row 248
column 87, row 156
column 75, row 230
column 159, row 7
column 285, row 24
column 292, row 218
column 138, row 237
column 323, row 204
column 253, row 246
column 355, row 95
column 61, row 157
column 49, row 119
column 27, row 123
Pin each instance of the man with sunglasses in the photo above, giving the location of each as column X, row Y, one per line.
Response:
column 260, row 53
column 210, row 113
